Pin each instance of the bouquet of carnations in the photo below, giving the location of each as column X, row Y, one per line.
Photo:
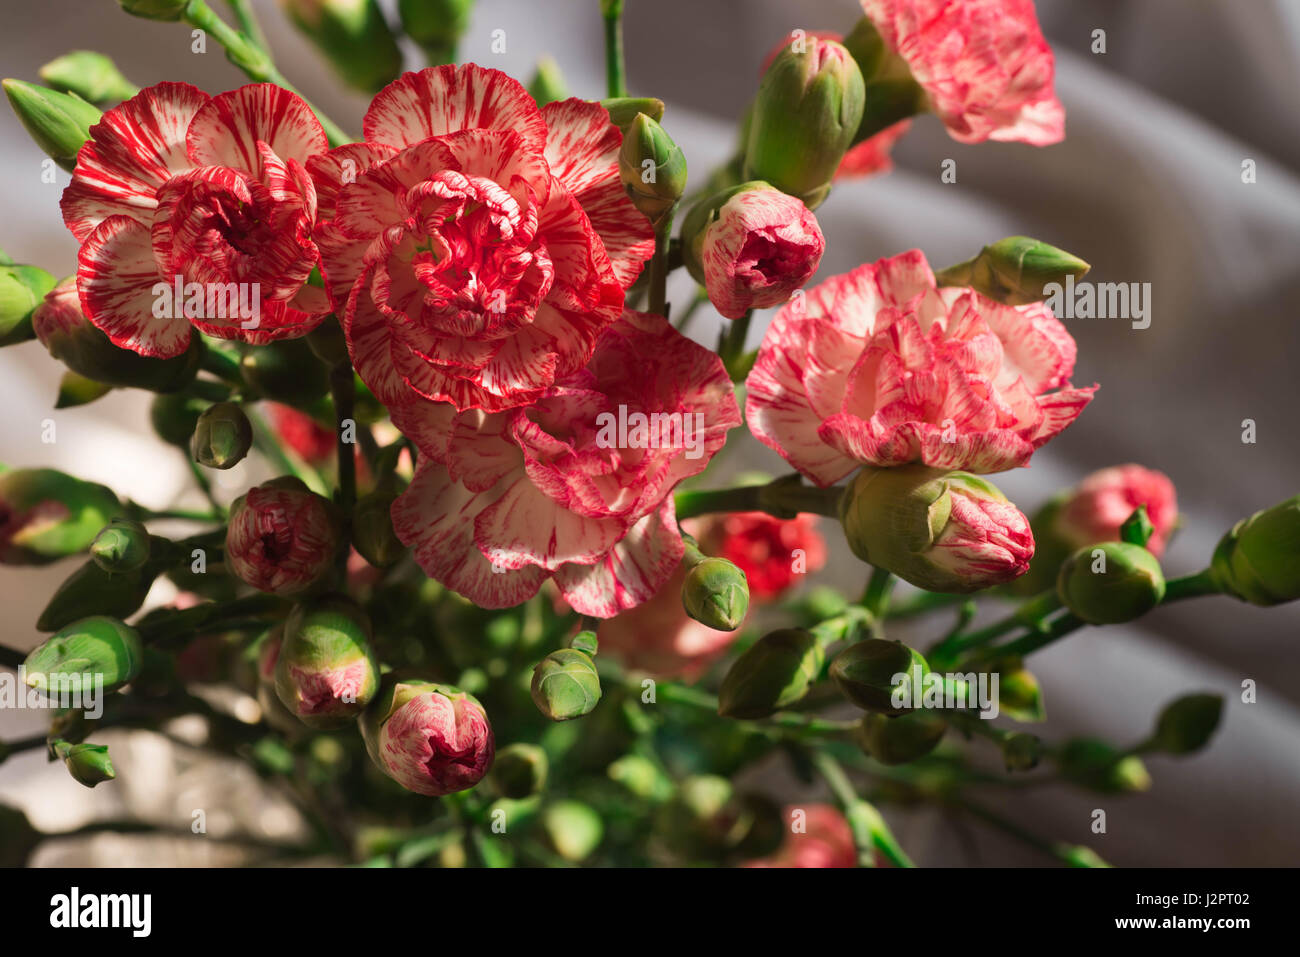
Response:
column 491, row 604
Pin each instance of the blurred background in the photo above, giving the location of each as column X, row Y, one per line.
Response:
column 1147, row 187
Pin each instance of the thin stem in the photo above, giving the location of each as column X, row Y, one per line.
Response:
column 615, row 70
column 782, row 498
column 923, row 603
column 1190, row 586
column 876, row 598
column 1030, row 614
column 659, row 267
column 18, row 745
column 1066, row 853
column 1033, row 642
column 870, row 832
column 791, row 721
column 221, row 364
column 732, row 347
column 684, row 320
column 140, row 513
column 265, row 443
column 205, row 486
column 343, row 391
column 248, row 24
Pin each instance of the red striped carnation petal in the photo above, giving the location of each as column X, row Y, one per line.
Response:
column 340, row 166
column 226, row 131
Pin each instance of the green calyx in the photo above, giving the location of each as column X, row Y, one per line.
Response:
column 1016, row 271
column 715, row 592
column 326, row 672
column 1258, row 561
column 774, row 673
column 52, row 515
column 565, row 685
column 1110, row 582
column 121, row 546
column 901, row 739
column 95, row 653
column 59, row 123
column 22, row 290
column 92, row 76
column 652, row 168
column 222, row 436
column 878, row 675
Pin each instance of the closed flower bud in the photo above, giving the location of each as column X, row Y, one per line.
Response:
column 715, row 593
column 69, row 337
column 282, row 538
column 83, row 654
column 807, row 112
column 751, row 246
column 1259, row 559
column 902, row 739
column 222, row 436
column 22, row 289
column 326, row 672
column 940, row 531
column 430, row 738
column 92, row 591
column 174, row 417
column 1021, row 751
column 58, row 122
column 436, row 25
column 1097, row 766
column 547, row 85
column 878, row 675
column 88, row 764
column 353, row 36
column 520, row 770
column 46, row 515
column 623, row 110
column 287, row 370
column 372, row 530
column 652, row 167
column 772, row 674
column 1016, row 270
column 573, row 829
column 121, row 546
column 155, row 9
column 1187, row 723
column 1110, row 583
column 92, row 76
column 565, row 685
column 1019, row 695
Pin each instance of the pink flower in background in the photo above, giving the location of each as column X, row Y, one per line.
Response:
column 773, row 553
column 281, row 539
column 871, row 156
column 760, row 246
column 430, row 738
column 824, row 841
column 879, row 366
column 1103, row 500
column 576, row 487
column 983, row 64
column 312, row 442
column 175, row 183
column 476, row 246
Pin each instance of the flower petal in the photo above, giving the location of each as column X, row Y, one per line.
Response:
column 226, row 131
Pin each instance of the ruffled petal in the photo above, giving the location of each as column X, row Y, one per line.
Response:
column 226, row 131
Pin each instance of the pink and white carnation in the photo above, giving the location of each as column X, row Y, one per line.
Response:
column 1097, row 507
column 880, row 366
column 576, row 487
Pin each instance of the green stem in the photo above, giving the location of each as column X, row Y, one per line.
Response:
column 684, row 320
column 221, row 364
column 923, row 603
column 783, row 498
column 703, row 701
column 205, row 486
column 1190, row 586
column 1030, row 614
column 343, row 391
column 615, row 71
column 732, row 347
column 870, row 832
column 248, row 24
column 659, row 267
column 1027, row 644
column 208, row 617
column 1066, row 853
column 265, row 442
column 876, row 598
column 256, row 64
column 18, row 745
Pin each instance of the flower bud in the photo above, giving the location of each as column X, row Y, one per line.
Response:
column 878, row 675
column 1016, row 270
column 353, row 36
column 22, row 288
column 174, row 417
column 1019, row 695
column 652, row 167
column 75, row 390
column 46, row 515
column 92, row 591
column 222, row 436
column 372, row 530
column 751, row 246
column 121, row 546
column 624, row 109
column 807, row 112
column 547, row 85
column 430, row 738
column 1258, row 561
column 267, row 656
column 574, row 829
column 436, row 25
column 69, row 337
column 326, row 672
column 287, row 370
column 642, row 777
column 940, row 531
column 58, row 122
column 772, row 674
column 281, row 538
column 155, row 9
column 902, row 739
column 88, row 764
column 92, row 76
column 891, row 94
column 1187, row 723
column 715, row 593
column 565, row 685
column 1110, row 582
column 85, row 652
column 1097, row 766
column 1021, row 751
column 520, row 770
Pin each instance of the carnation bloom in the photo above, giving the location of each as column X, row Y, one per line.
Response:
column 476, row 245
column 658, row 637
column 1098, row 506
column 312, row 442
column 773, row 553
column 983, row 64
column 880, row 366
column 576, row 487
column 824, row 840
column 175, row 187
column 282, row 537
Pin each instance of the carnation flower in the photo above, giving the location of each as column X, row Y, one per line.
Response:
column 282, row 537
column 1099, row 505
column 772, row 552
column 824, row 840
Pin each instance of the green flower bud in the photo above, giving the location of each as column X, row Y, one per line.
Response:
column 88, row 764
column 58, row 122
column 565, row 685
column 1016, row 270
column 716, row 593
column 1019, row 695
column 1258, row 561
column 175, row 416
column 941, row 531
column 520, row 770
column 774, row 673
column 286, row 370
column 326, row 672
column 891, row 94
column 22, row 288
column 92, row 591
column 574, row 829
column 807, row 111
column 1187, row 723
column 92, row 76
column 155, row 9
column 1021, row 751
column 436, row 25
column 902, row 739
column 1110, row 582
column 75, row 389
column 624, row 109
column 121, row 546
column 82, row 654
column 642, row 777
column 1097, row 766
column 17, row 837
column 372, row 530
column 222, row 436
column 353, row 36
column 877, row 675
column 652, row 167
column 547, row 85
column 46, row 515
